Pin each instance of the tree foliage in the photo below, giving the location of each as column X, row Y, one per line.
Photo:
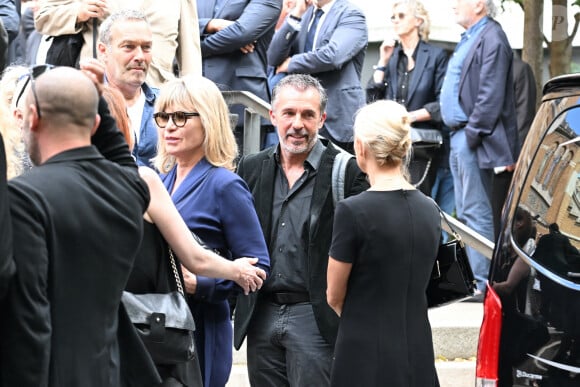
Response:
column 559, row 49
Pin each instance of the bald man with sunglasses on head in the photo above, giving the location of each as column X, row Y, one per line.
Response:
column 77, row 225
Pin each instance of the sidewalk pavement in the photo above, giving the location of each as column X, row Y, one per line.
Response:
column 455, row 332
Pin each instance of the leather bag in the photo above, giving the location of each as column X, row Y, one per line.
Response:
column 65, row 50
column 451, row 278
column 164, row 322
column 426, row 143
column 426, row 138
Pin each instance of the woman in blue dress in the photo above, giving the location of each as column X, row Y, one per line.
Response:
column 196, row 154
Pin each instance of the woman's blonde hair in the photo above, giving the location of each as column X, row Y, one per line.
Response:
column 196, row 93
column 384, row 128
column 418, row 10
column 13, row 144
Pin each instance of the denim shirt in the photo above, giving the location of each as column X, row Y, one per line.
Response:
column 451, row 110
column 146, row 149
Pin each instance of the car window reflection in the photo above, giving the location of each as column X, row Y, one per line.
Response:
column 551, row 197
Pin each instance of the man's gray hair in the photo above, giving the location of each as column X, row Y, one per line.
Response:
column 121, row 16
column 301, row 82
column 490, row 8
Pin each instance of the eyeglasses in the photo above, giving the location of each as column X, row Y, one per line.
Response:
column 178, row 118
column 399, row 16
column 34, row 73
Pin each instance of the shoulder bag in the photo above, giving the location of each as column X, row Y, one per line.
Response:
column 164, row 322
column 451, row 278
column 65, row 50
column 426, row 142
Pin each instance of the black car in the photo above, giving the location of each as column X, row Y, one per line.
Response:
column 530, row 334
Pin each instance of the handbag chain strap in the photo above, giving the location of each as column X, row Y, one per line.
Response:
column 424, row 173
column 453, row 232
column 175, row 273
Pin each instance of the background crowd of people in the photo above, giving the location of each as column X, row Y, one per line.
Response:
column 110, row 165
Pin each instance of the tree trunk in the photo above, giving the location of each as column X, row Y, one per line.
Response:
column 533, row 50
column 560, row 47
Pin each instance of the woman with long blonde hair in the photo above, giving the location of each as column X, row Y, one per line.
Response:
column 196, row 154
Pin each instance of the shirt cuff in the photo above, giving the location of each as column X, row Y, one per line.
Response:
column 295, row 24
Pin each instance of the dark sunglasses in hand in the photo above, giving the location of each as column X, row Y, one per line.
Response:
column 32, row 74
column 178, row 118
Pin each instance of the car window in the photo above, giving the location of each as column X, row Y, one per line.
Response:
column 545, row 227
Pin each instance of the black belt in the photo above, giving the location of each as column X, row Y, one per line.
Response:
column 282, row 298
column 458, row 127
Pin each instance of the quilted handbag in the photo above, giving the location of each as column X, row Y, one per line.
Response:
column 451, row 278
column 164, row 322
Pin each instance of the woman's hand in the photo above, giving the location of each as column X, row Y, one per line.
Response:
column 386, row 51
column 250, row 277
column 95, row 70
column 189, row 280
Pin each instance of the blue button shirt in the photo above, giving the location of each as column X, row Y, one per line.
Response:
column 451, row 111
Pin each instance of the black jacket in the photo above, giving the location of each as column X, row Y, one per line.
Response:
column 259, row 170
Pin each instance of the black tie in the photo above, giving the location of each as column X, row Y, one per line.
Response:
column 312, row 30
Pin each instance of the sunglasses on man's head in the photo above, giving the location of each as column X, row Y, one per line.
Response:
column 178, row 118
column 32, row 74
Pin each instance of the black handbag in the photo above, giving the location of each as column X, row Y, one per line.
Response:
column 164, row 322
column 426, row 143
column 426, row 138
column 65, row 50
column 451, row 278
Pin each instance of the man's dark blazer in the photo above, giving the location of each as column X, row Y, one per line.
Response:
column 223, row 61
column 525, row 96
column 259, row 171
column 486, row 95
column 336, row 62
column 424, row 84
column 77, row 223
column 6, row 262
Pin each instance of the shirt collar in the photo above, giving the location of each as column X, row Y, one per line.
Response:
column 327, row 7
column 474, row 29
column 314, row 157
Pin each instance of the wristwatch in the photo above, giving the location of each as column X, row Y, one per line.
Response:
column 298, row 19
column 380, row 68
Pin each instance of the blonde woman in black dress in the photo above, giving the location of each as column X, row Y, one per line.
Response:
column 383, row 247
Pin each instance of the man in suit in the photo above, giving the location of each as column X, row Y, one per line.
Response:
column 525, row 100
column 77, row 222
column 291, row 329
column 333, row 51
column 477, row 103
column 126, row 48
column 235, row 36
column 172, row 23
column 525, row 96
column 6, row 262
column 9, row 27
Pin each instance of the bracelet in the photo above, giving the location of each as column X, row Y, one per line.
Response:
column 380, row 68
column 298, row 19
